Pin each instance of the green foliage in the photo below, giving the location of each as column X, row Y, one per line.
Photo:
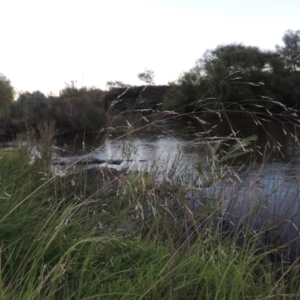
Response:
column 75, row 109
column 291, row 49
column 234, row 74
column 59, row 243
column 110, row 234
column 6, row 96
column 184, row 95
column 31, row 108
column 117, row 234
column 78, row 109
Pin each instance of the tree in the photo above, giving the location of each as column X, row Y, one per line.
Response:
column 147, row 76
column 32, row 107
column 291, row 49
column 6, row 96
column 79, row 108
column 236, row 73
column 233, row 74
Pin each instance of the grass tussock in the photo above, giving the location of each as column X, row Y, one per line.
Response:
column 124, row 234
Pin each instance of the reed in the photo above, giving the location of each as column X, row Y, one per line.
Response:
column 143, row 234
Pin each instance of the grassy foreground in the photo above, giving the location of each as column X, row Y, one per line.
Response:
column 60, row 238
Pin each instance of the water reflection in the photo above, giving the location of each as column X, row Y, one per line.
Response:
column 268, row 189
column 178, row 140
column 145, row 153
column 269, row 185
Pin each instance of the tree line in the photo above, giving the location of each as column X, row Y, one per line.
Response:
column 74, row 109
column 233, row 73
column 236, row 74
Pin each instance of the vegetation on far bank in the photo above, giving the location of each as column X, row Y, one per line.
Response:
column 231, row 75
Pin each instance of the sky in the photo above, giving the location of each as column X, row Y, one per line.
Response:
column 46, row 44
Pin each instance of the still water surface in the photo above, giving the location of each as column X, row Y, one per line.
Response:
column 179, row 138
column 268, row 184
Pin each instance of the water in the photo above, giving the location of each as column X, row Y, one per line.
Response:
column 177, row 143
column 176, row 149
column 180, row 135
column 263, row 189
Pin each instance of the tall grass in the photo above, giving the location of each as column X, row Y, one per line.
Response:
column 108, row 234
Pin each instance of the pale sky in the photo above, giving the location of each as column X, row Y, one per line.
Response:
column 47, row 43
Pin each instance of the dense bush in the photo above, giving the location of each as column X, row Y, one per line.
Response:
column 236, row 75
column 6, row 99
column 75, row 109
column 78, row 109
column 6, row 95
column 31, row 109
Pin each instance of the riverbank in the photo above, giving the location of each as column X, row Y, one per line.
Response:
column 130, row 238
column 90, row 110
